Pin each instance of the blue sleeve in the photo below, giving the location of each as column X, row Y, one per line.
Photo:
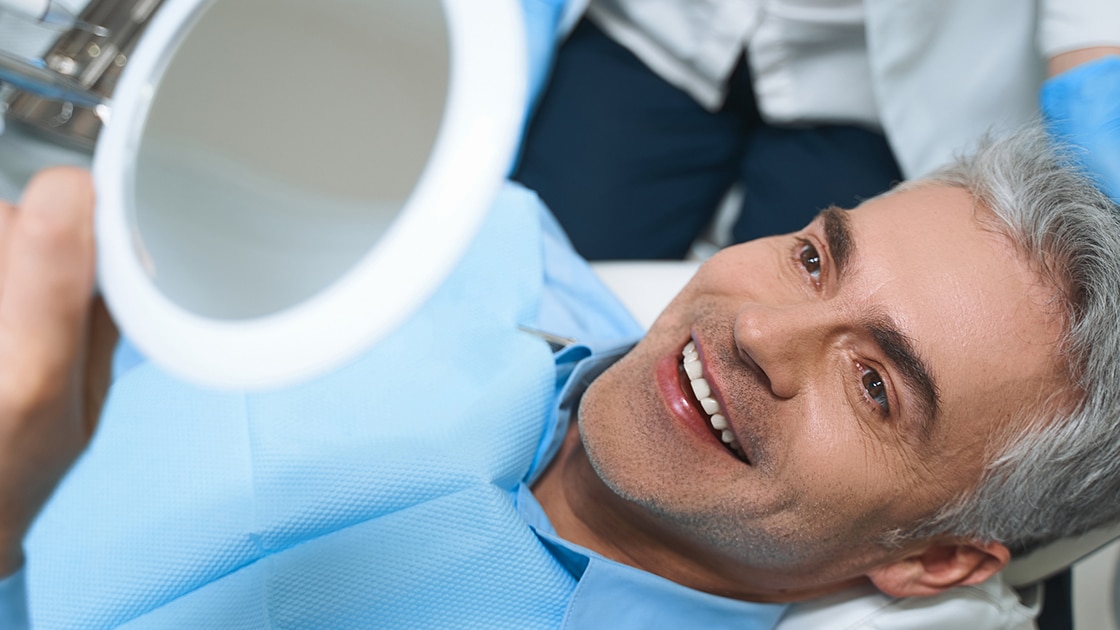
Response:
column 13, row 602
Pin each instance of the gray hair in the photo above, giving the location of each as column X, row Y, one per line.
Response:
column 1060, row 477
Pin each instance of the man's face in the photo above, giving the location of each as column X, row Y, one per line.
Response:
column 863, row 367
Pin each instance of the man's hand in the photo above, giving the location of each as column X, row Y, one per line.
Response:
column 55, row 346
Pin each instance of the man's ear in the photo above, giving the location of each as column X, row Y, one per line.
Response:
column 940, row 566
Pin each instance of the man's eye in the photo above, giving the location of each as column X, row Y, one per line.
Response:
column 873, row 385
column 810, row 259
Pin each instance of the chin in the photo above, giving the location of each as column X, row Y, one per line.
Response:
column 616, row 441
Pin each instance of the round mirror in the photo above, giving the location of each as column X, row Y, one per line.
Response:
column 282, row 182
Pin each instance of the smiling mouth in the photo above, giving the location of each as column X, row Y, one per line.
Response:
column 693, row 370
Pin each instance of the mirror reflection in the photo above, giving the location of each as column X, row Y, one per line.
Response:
column 284, row 138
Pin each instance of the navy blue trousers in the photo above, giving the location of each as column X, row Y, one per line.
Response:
column 634, row 168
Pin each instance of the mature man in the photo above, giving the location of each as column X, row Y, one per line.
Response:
column 906, row 395
column 899, row 374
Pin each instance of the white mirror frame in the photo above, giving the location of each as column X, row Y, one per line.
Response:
column 471, row 156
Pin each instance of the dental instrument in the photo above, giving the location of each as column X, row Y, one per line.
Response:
column 42, row 81
column 53, row 14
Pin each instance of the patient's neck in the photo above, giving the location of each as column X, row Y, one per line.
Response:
column 584, row 511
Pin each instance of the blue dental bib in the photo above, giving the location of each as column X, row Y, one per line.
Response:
column 381, row 495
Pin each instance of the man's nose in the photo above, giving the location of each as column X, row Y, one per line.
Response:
column 785, row 343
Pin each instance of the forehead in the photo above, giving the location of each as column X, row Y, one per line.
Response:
column 977, row 312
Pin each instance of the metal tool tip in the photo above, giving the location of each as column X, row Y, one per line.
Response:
column 93, row 29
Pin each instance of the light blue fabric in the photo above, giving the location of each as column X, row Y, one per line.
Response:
column 390, row 493
column 1082, row 107
column 365, row 495
column 576, row 305
column 542, row 23
column 574, row 302
column 13, row 602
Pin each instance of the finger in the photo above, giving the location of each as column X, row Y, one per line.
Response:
column 48, row 273
column 103, row 336
column 7, row 212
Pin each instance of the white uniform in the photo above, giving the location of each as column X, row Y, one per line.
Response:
column 932, row 74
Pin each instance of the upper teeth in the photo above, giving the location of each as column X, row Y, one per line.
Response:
column 695, row 371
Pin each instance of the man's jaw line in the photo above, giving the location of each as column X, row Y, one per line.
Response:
column 586, row 510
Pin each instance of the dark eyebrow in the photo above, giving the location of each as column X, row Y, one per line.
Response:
column 838, row 237
column 887, row 335
column 900, row 350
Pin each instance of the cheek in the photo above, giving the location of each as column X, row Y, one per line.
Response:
column 844, row 471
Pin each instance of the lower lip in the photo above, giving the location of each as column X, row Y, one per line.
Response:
column 669, row 383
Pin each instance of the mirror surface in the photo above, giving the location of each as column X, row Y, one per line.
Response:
column 283, row 139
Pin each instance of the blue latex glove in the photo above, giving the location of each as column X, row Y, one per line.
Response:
column 542, row 20
column 1082, row 106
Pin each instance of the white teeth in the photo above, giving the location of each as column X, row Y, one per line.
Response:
column 710, row 405
column 701, row 388
column 695, row 370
